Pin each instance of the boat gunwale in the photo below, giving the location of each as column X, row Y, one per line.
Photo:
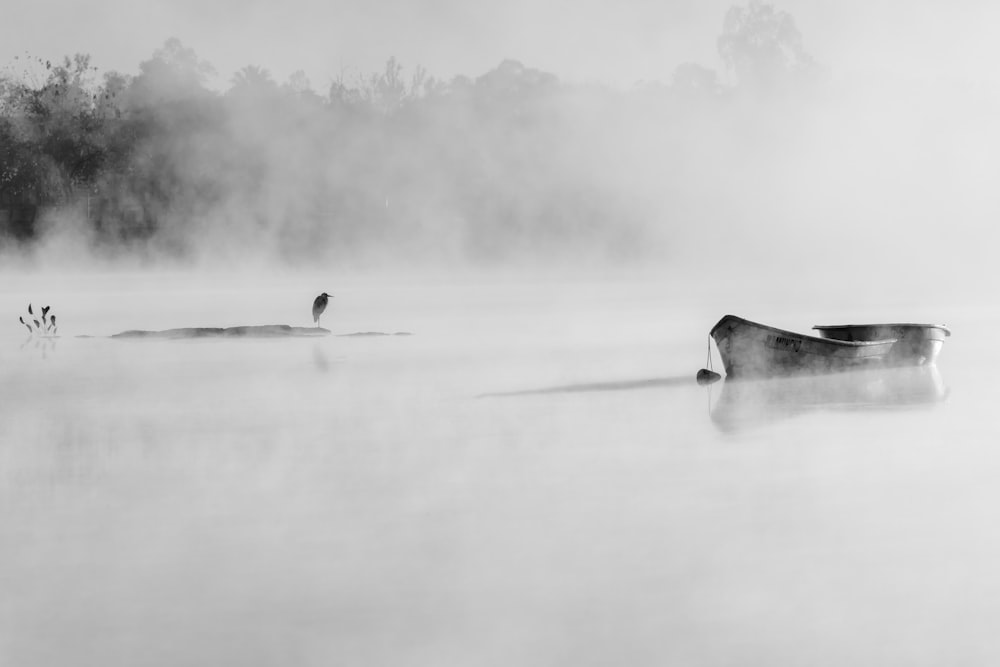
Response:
column 825, row 341
column 946, row 330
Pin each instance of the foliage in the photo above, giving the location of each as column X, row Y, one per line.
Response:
column 509, row 162
column 764, row 48
column 47, row 325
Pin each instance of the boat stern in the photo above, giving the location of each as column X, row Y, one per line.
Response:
column 916, row 344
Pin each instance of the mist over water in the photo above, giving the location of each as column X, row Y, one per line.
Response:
column 530, row 476
column 367, row 500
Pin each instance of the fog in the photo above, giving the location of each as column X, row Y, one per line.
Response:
column 873, row 177
column 782, row 158
column 530, row 475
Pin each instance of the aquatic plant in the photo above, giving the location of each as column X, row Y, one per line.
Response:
column 47, row 327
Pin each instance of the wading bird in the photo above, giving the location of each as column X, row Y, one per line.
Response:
column 319, row 305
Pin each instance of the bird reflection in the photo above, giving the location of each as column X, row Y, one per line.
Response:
column 319, row 359
column 747, row 403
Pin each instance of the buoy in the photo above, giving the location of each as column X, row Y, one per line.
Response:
column 706, row 376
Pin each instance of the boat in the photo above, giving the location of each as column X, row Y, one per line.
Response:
column 751, row 349
column 916, row 344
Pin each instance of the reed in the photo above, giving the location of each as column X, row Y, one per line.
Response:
column 46, row 327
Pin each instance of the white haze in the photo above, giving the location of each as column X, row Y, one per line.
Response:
column 532, row 477
column 877, row 167
column 616, row 43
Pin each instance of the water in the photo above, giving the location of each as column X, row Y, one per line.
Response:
column 531, row 478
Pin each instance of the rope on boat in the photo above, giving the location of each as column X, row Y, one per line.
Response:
column 707, row 375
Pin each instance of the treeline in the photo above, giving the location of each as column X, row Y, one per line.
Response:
column 513, row 161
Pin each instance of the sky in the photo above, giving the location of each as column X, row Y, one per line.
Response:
column 598, row 41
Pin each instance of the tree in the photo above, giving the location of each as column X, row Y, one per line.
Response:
column 388, row 90
column 173, row 73
column 54, row 130
column 300, row 87
column 763, row 47
column 253, row 77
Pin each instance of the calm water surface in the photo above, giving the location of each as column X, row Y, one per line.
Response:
column 531, row 478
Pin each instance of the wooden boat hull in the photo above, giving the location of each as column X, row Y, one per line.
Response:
column 916, row 344
column 749, row 349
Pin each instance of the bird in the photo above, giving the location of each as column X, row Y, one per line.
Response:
column 319, row 305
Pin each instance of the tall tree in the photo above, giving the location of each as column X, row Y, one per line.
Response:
column 54, row 129
column 175, row 72
column 253, row 77
column 763, row 47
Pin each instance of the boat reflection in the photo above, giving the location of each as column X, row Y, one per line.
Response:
column 747, row 403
